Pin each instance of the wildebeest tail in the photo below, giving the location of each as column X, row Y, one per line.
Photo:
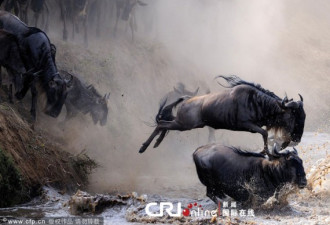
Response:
column 165, row 112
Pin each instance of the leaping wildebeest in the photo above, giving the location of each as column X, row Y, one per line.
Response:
column 37, row 54
column 244, row 106
column 243, row 175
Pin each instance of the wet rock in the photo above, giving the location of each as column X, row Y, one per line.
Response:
column 83, row 202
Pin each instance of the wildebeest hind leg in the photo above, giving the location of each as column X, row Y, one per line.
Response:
column 146, row 144
column 160, row 138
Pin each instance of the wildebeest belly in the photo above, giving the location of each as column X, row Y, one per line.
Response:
column 220, row 112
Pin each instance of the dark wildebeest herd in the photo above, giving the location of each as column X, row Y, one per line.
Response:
column 29, row 58
column 243, row 106
column 85, row 14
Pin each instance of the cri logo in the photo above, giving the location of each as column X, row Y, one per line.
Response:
column 168, row 207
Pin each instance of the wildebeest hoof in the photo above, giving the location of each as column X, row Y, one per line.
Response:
column 143, row 148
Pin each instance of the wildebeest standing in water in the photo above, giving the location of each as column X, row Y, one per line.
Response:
column 86, row 100
column 243, row 107
column 36, row 52
column 243, row 175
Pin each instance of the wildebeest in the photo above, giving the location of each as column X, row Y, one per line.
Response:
column 10, row 58
column 242, row 174
column 40, row 7
column 125, row 11
column 78, row 11
column 86, row 99
column 36, row 52
column 243, row 107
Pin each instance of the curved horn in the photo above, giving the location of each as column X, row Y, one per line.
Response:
column 292, row 104
column 294, row 151
column 284, row 152
column 301, row 98
column 274, row 151
column 285, row 99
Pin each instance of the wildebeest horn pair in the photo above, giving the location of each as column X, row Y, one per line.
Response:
column 283, row 152
column 291, row 104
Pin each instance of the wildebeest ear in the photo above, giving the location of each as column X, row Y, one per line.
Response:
column 107, row 96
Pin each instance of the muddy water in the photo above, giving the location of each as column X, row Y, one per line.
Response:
column 308, row 206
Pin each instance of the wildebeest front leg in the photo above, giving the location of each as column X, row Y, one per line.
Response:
column 10, row 93
column 34, row 94
column 255, row 129
column 146, row 144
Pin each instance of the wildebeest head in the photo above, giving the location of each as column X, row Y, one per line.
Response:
column 56, row 92
column 294, row 168
column 99, row 112
column 294, row 119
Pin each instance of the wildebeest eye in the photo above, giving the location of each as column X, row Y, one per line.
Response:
column 52, row 84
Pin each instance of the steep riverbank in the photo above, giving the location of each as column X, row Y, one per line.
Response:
column 29, row 160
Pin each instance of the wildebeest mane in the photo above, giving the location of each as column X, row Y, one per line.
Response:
column 234, row 80
column 246, row 153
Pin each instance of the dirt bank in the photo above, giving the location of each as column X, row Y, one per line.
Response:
column 29, row 160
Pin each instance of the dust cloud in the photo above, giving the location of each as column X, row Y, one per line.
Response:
column 282, row 45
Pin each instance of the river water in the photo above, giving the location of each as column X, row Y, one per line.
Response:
column 307, row 206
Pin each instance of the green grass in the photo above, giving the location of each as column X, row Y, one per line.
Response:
column 12, row 189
